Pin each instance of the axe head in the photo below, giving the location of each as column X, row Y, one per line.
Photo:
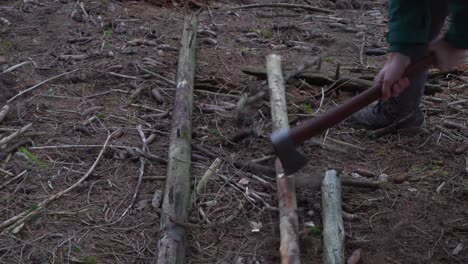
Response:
column 291, row 159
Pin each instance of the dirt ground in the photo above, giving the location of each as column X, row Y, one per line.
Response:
column 421, row 216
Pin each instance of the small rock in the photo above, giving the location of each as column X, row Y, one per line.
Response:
column 244, row 181
column 383, row 177
column 142, row 204
column 209, row 41
column 400, row 178
column 3, row 60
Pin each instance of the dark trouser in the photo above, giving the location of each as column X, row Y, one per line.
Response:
column 410, row 99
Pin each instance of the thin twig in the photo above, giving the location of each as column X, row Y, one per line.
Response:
column 39, row 84
column 285, row 5
column 13, row 179
column 15, row 134
column 22, row 217
column 6, row 172
column 157, row 75
column 14, row 67
column 144, row 148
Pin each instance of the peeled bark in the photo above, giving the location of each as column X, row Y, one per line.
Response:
column 172, row 243
column 289, row 248
column 332, row 218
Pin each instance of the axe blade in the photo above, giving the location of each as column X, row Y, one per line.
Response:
column 290, row 157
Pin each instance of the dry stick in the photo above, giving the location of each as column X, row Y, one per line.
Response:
column 144, row 148
column 286, row 5
column 362, row 54
column 172, row 242
column 14, row 67
column 289, row 225
column 3, row 112
column 332, row 218
column 22, row 217
column 13, row 179
column 201, row 186
column 157, row 75
column 6, row 172
column 345, row 144
column 38, row 85
column 15, row 134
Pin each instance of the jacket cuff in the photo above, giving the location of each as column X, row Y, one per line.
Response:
column 414, row 51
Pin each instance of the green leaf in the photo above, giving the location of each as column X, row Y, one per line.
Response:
column 32, row 157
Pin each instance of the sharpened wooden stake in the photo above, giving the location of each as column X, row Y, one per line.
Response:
column 289, row 248
column 173, row 239
column 332, row 218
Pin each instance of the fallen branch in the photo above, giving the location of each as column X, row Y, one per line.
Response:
column 157, row 75
column 6, row 172
column 38, row 85
column 14, row 67
column 363, row 184
column 332, row 218
column 144, row 149
column 172, row 242
column 285, row 5
column 14, row 135
column 17, row 220
column 12, row 180
column 289, row 226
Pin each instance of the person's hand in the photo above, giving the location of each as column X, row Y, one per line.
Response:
column 390, row 77
column 448, row 57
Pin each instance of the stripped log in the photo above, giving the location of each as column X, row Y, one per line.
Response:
column 289, row 248
column 173, row 240
column 332, row 218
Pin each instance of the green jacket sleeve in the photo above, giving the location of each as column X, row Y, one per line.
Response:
column 457, row 34
column 408, row 24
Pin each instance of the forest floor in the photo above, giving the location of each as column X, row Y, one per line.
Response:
column 117, row 62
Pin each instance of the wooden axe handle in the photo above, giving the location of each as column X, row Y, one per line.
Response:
column 317, row 125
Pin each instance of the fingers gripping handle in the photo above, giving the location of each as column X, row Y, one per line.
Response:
column 317, row 125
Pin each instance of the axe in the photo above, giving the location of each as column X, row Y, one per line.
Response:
column 285, row 140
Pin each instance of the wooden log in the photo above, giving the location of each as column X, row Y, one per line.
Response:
column 346, row 83
column 289, row 248
column 172, row 243
column 332, row 218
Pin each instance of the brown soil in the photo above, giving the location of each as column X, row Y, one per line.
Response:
column 421, row 220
